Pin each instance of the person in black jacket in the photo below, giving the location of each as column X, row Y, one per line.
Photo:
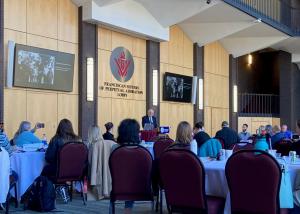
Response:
column 64, row 134
column 108, row 134
column 228, row 135
column 200, row 135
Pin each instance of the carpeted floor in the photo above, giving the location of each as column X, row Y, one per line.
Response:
column 100, row 207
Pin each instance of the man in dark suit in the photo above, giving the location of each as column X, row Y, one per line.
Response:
column 200, row 135
column 150, row 119
column 228, row 135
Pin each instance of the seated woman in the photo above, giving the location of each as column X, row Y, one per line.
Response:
column 25, row 135
column 128, row 133
column 109, row 129
column 184, row 137
column 261, row 141
column 64, row 134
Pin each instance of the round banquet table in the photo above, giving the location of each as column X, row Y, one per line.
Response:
column 28, row 166
column 216, row 183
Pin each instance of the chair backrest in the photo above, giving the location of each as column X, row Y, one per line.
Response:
column 242, row 146
column 253, row 178
column 130, row 168
column 72, row 162
column 283, row 147
column 221, row 141
column 161, row 145
column 183, row 177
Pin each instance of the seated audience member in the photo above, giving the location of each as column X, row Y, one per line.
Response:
column 64, row 134
column 261, row 141
column 287, row 133
column 4, row 141
column 269, row 132
column 109, row 129
column 25, row 135
column 228, row 135
column 277, row 135
column 244, row 135
column 184, row 136
column 128, row 133
column 200, row 135
column 99, row 152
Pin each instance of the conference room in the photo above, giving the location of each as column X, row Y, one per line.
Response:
column 149, row 106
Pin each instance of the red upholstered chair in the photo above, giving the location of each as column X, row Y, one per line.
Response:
column 183, row 177
column 242, row 146
column 253, row 178
column 130, row 168
column 221, row 141
column 159, row 147
column 283, row 147
column 72, row 165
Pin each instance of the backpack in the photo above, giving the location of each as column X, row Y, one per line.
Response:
column 40, row 196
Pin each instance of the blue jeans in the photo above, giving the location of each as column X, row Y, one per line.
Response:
column 129, row 204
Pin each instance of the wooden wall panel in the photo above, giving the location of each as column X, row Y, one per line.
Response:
column 164, row 52
column 104, row 112
column 216, row 86
column 67, row 21
column 104, row 74
column 15, row 109
column 42, row 18
column 112, row 107
column 104, row 39
column 216, row 91
column 139, row 48
column 67, row 107
column 41, row 42
column 187, row 52
column 52, row 25
column 207, row 120
column 121, row 40
column 42, row 107
column 176, row 56
column 217, row 117
column 276, row 121
column 176, row 46
column 15, row 15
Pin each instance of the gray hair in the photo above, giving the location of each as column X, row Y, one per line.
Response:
column 24, row 126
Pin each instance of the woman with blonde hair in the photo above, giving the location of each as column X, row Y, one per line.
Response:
column 99, row 151
column 184, row 136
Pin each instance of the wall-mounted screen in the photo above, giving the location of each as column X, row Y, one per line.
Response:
column 43, row 69
column 177, row 88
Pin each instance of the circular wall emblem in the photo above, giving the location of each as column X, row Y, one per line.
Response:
column 121, row 64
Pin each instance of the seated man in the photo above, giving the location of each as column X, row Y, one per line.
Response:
column 286, row 132
column 244, row 135
column 200, row 135
column 228, row 135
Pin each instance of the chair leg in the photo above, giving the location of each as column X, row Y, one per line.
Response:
column 7, row 203
column 83, row 195
column 112, row 207
column 71, row 191
column 157, row 202
column 16, row 196
column 161, row 201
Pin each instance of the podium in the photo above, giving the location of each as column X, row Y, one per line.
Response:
column 148, row 135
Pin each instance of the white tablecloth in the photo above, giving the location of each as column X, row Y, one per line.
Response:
column 149, row 147
column 28, row 166
column 4, row 174
column 216, row 184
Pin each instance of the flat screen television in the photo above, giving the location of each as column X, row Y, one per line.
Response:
column 177, row 88
column 43, row 69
